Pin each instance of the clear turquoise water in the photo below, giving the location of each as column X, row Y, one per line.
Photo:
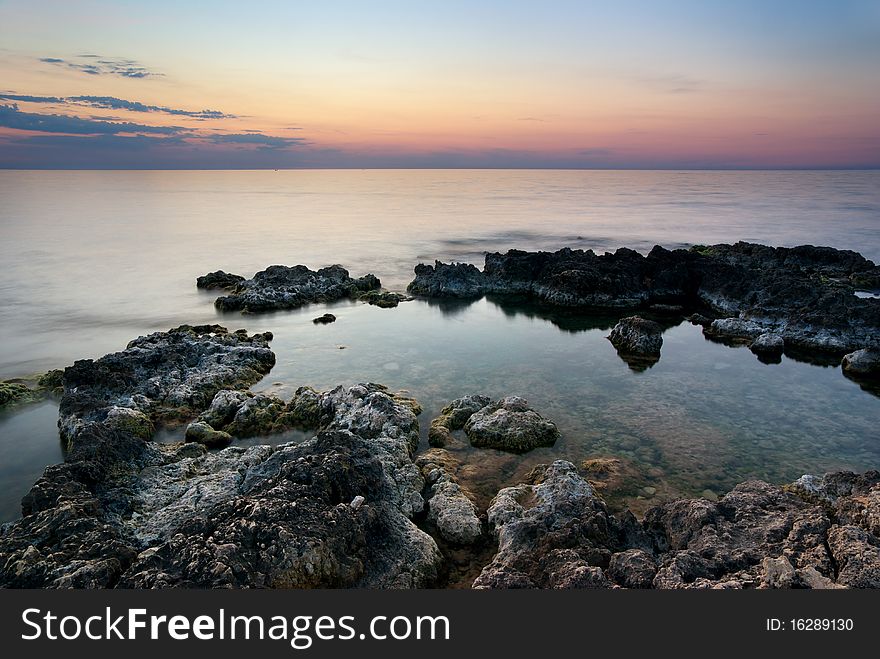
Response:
column 93, row 259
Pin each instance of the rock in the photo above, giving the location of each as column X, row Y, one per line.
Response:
column 734, row 329
column 510, row 425
column 453, row 417
column 779, row 573
column 700, row 319
column 450, row 510
column 219, row 279
column 553, row 533
column 768, row 346
column 864, row 363
column 633, row 568
column 383, row 300
column 638, row 341
column 805, row 294
column 282, row 287
column 201, row 432
column 15, row 392
column 326, row 319
column 448, row 280
column 857, row 555
column 124, row 511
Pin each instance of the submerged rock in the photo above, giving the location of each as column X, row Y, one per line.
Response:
column 805, row 294
column 219, row 279
column 326, row 319
column 453, row 417
column 15, row 392
column 201, row 432
column 510, row 425
column 283, row 287
column 864, row 363
column 638, row 341
column 383, row 299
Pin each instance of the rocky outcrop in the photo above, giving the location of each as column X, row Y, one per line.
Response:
column 324, row 319
column 510, row 425
column 451, row 511
column 453, row 417
column 805, row 294
column 19, row 391
column 282, row 287
column 219, row 279
column 554, row 533
column 815, row 533
column 863, row 363
column 123, row 511
column 768, row 346
column 638, row 341
column 383, row 299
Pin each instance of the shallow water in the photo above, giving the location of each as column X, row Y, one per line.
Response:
column 94, row 259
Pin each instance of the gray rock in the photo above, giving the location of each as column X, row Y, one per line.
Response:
column 638, row 341
column 453, row 417
column 768, row 345
column 633, row 568
column 735, row 329
column 450, row 510
column 864, row 363
column 326, row 319
column 283, row 287
column 510, row 425
column 554, row 533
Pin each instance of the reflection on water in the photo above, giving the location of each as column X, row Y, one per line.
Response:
column 28, row 442
column 92, row 260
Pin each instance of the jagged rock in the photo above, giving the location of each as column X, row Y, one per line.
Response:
column 450, row 510
column 283, row 287
column 326, row 319
column 219, row 279
column 201, row 432
column 734, row 329
column 554, row 533
column 384, row 299
column 633, row 568
column 864, row 363
column 453, row 417
column 857, row 555
column 638, row 341
column 806, row 293
column 124, row 511
column 510, row 425
column 768, row 346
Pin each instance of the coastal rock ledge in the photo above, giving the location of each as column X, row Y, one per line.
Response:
column 555, row 532
column 281, row 287
column 806, row 295
column 123, row 511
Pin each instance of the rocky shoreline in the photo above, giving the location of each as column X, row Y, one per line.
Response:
column 801, row 299
column 360, row 504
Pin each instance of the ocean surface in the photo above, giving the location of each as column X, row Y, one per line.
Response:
column 92, row 260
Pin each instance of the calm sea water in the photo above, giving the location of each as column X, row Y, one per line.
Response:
column 94, row 259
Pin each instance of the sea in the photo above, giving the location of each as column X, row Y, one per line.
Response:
column 93, row 259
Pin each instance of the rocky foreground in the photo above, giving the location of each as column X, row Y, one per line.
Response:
column 773, row 299
column 357, row 505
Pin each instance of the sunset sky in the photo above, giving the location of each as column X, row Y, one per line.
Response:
column 707, row 84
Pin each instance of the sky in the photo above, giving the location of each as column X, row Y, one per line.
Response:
column 423, row 84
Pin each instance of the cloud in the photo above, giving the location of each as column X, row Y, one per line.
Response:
column 263, row 142
column 113, row 103
column 12, row 117
column 97, row 66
